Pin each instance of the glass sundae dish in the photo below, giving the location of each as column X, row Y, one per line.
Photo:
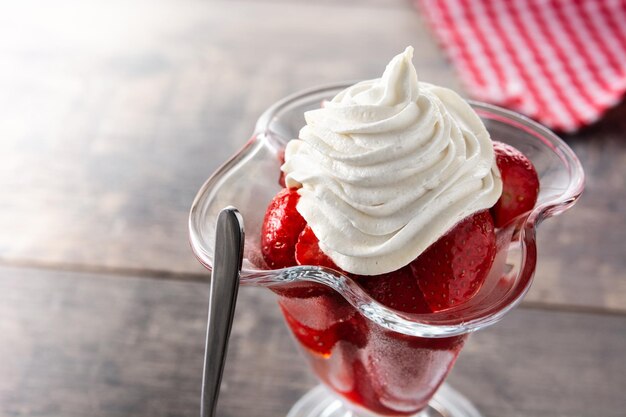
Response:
column 375, row 354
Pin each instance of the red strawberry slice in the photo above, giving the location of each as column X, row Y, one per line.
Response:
column 308, row 251
column 353, row 330
column 318, row 312
column 520, row 184
column 301, row 290
column 397, row 290
column 281, row 227
column 452, row 270
column 318, row 341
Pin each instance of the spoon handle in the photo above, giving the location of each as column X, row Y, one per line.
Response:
column 229, row 241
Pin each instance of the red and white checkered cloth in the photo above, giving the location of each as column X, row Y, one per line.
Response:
column 562, row 62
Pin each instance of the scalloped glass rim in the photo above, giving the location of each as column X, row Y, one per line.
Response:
column 520, row 234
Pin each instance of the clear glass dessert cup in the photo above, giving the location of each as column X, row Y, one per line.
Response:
column 373, row 360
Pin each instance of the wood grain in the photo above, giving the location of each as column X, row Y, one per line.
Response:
column 114, row 113
column 85, row 344
column 582, row 254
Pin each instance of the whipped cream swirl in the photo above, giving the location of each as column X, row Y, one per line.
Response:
column 387, row 167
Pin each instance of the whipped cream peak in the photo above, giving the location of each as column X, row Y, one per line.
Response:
column 388, row 166
column 397, row 86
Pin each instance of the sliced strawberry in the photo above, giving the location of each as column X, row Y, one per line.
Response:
column 308, row 250
column 319, row 312
column 352, row 329
column 281, row 227
column 318, row 341
column 452, row 270
column 301, row 290
column 520, row 184
column 397, row 290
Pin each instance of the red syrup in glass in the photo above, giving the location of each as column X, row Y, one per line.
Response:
column 383, row 371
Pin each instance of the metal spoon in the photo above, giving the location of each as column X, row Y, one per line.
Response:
column 229, row 240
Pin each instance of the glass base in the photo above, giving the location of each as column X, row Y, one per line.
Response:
column 320, row 402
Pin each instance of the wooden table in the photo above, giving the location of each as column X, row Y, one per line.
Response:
column 113, row 113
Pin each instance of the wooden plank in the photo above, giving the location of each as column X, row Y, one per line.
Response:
column 546, row 363
column 83, row 344
column 582, row 254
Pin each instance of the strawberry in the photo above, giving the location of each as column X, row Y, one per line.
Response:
column 397, row 290
column 318, row 341
column 452, row 270
column 301, row 290
column 281, row 227
column 520, row 184
column 308, row 251
column 352, row 329
column 318, row 312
